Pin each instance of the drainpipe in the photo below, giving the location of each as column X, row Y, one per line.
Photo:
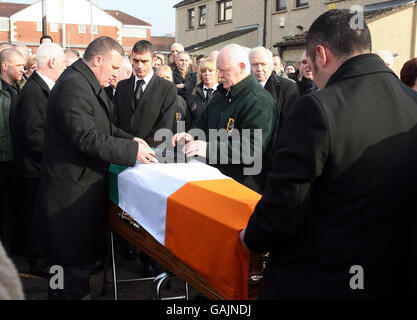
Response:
column 265, row 15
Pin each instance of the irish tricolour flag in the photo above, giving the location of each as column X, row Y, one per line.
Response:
column 195, row 212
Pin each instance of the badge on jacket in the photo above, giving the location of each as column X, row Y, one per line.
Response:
column 178, row 116
column 230, row 125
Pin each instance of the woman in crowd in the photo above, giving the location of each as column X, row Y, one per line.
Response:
column 207, row 82
column 409, row 74
column 30, row 65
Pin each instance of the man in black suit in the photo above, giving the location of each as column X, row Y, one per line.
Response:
column 184, row 78
column 284, row 91
column 29, row 137
column 144, row 103
column 338, row 212
column 70, row 219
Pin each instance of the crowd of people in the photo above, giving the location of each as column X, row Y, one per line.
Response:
column 336, row 151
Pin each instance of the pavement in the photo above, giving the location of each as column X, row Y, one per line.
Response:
column 36, row 288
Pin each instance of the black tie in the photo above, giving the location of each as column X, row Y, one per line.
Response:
column 138, row 91
column 209, row 94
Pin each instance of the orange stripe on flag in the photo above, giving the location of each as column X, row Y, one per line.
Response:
column 203, row 222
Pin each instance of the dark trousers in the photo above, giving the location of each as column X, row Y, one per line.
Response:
column 24, row 196
column 6, row 173
column 76, row 283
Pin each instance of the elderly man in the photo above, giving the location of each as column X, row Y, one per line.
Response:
column 338, row 213
column 125, row 73
column 236, row 111
column 185, row 79
column 69, row 225
column 284, row 91
column 29, row 137
column 175, row 48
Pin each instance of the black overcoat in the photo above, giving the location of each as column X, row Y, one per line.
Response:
column 341, row 203
column 70, row 217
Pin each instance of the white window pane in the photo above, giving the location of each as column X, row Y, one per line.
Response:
column 53, row 27
column 4, row 25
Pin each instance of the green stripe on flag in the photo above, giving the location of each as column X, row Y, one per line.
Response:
column 114, row 172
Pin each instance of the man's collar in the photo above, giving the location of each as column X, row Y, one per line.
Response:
column 147, row 78
column 48, row 81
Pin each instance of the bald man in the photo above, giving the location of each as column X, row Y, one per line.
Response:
column 238, row 109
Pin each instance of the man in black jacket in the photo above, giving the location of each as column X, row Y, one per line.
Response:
column 70, row 219
column 337, row 215
column 284, row 91
column 29, row 137
column 144, row 103
column 185, row 79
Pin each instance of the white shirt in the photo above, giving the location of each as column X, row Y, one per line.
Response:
column 147, row 79
column 48, row 81
column 213, row 87
column 263, row 83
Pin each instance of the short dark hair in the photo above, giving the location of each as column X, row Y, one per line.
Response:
column 409, row 72
column 45, row 37
column 201, row 56
column 333, row 30
column 144, row 46
column 102, row 46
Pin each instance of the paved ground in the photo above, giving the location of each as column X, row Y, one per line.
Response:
column 36, row 287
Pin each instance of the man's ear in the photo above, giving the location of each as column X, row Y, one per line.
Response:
column 52, row 63
column 322, row 55
column 4, row 65
column 97, row 61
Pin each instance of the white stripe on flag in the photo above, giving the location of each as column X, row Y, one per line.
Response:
column 145, row 189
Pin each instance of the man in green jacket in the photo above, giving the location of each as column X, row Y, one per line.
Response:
column 11, row 66
column 237, row 128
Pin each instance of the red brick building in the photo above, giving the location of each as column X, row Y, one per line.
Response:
column 69, row 24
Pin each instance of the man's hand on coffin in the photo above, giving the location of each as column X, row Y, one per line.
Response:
column 145, row 153
column 195, row 148
column 181, row 137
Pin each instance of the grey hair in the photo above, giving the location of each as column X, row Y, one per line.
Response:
column 46, row 52
column 265, row 51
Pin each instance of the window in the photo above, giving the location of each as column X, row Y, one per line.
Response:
column 281, row 5
column 82, row 28
column 39, row 26
column 202, row 18
column 224, row 9
column 4, row 25
column 133, row 32
column 301, row 3
column 53, row 27
column 191, row 18
column 95, row 29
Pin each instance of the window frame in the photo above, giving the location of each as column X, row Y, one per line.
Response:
column 82, row 31
column 279, row 7
column 190, row 18
column 224, row 11
column 300, row 5
column 200, row 16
